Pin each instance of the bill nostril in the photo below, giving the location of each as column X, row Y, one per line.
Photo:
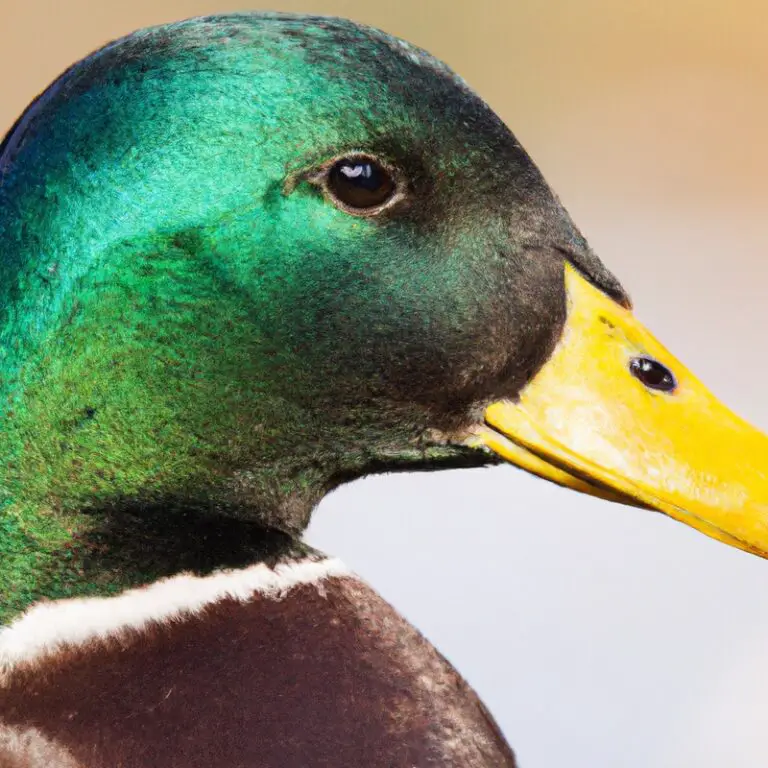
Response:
column 652, row 374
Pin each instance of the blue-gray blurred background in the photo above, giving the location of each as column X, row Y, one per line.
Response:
column 598, row 635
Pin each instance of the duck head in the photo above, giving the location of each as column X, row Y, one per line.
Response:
column 246, row 258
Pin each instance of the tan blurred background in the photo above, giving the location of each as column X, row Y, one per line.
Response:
column 598, row 635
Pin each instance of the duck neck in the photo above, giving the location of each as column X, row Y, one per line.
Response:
column 138, row 438
column 147, row 429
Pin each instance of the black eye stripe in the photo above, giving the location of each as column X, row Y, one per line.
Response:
column 652, row 374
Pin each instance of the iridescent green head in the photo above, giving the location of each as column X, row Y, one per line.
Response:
column 245, row 258
column 203, row 298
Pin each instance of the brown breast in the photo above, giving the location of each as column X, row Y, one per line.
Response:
column 327, row 675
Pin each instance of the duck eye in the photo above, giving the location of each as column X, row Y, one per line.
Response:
column 652, row 374
column 360, row 184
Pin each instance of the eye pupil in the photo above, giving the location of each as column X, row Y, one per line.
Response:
column 360, row 184
column 652, row 374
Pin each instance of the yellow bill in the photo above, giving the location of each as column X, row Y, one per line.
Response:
column 612, row 413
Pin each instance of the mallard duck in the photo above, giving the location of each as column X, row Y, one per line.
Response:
column 245, row 259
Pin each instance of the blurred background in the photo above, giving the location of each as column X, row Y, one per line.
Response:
column 598, row 635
